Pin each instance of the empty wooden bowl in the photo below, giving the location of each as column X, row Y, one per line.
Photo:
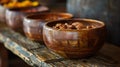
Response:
column 74, row 38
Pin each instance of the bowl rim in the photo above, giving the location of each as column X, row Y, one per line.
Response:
column 46, row 14
column 76, row 19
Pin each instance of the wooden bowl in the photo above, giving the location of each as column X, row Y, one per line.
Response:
column 72, row 43
column 33, row 24
column 14, row 17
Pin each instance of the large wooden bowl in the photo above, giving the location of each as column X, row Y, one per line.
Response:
column 74, row 43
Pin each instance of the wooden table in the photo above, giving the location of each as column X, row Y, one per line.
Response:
column 37, row 55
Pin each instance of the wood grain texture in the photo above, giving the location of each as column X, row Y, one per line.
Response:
column 37, row 55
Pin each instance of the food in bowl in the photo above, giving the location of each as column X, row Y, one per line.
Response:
column 25, row 3
column 74, row 38
column 33, row 24
column 73, row 25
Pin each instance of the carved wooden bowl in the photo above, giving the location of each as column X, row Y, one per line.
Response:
column 72, row 43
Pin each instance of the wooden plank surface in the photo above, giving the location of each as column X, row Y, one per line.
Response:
column 36, row 54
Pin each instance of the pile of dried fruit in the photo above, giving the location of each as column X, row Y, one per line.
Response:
column 74, row 25
column 16, row 4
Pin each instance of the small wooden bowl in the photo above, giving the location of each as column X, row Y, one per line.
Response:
column 33, row 24
column 14, row 17
column 74, row 43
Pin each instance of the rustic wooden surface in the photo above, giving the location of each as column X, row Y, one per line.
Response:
column 37, row 55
